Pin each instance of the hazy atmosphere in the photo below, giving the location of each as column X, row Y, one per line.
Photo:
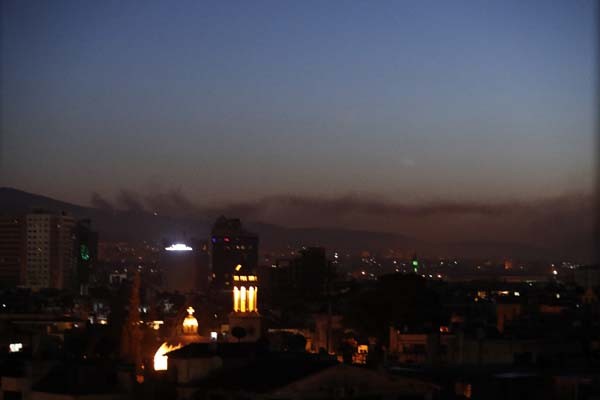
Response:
column 438, row 120
column 299, row 199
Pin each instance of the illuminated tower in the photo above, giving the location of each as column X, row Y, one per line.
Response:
column 245, row 306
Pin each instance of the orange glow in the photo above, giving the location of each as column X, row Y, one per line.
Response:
column 236, row 299
column 251, row 298
column 190, row 323
column 243, row 299
column 160, row 359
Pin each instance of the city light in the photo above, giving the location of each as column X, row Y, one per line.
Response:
column 160, row 358
column 190, row 323
column 15, row 347
column 156, row 324
column 178, row 247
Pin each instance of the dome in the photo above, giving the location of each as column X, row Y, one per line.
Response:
column 190, row 323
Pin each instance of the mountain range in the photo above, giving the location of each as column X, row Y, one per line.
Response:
column 137, row 226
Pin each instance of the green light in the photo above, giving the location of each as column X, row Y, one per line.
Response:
column 415, row 263
column 415, row 269
column 84, row 252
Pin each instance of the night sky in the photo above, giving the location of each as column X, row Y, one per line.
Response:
column 234, row 102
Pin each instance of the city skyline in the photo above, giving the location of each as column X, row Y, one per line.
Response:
column 229, row 103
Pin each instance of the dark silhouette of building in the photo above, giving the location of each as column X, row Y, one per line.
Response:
column 307, row 276
column 233, row 250
column 86, row 249
column 185, row 267
column 12, row 250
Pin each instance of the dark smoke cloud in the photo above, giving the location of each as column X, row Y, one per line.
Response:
column 562, row 223
column 172, row 202
column 129, row 201
column 100, row 202
column 352, row 205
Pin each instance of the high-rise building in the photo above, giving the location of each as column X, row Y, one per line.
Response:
column 49, row 248
column 307, row 276
column 184, row 267
column 233, row 251
column 46, row 250
column 12, row 250
column 86, row 253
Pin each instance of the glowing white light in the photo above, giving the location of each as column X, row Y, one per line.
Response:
column 213, row 336
column 15, row 347
column 178, row 247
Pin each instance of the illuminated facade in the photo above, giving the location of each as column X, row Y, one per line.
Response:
column 190, row 323
column 245, row 307
column 245, row 294
column 190, row 331
column 160, row 357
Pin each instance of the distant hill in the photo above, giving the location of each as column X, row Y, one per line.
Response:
column 117, row 225
column 111, row 224
column 140, row 225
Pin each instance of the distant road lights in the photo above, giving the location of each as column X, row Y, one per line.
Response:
column 178, row 247
column 554, row 272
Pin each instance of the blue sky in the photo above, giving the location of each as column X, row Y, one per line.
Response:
column 234, row 101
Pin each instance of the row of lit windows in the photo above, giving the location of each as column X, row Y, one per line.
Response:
column 244, row 278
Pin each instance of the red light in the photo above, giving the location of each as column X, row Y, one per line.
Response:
column 226, row 240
